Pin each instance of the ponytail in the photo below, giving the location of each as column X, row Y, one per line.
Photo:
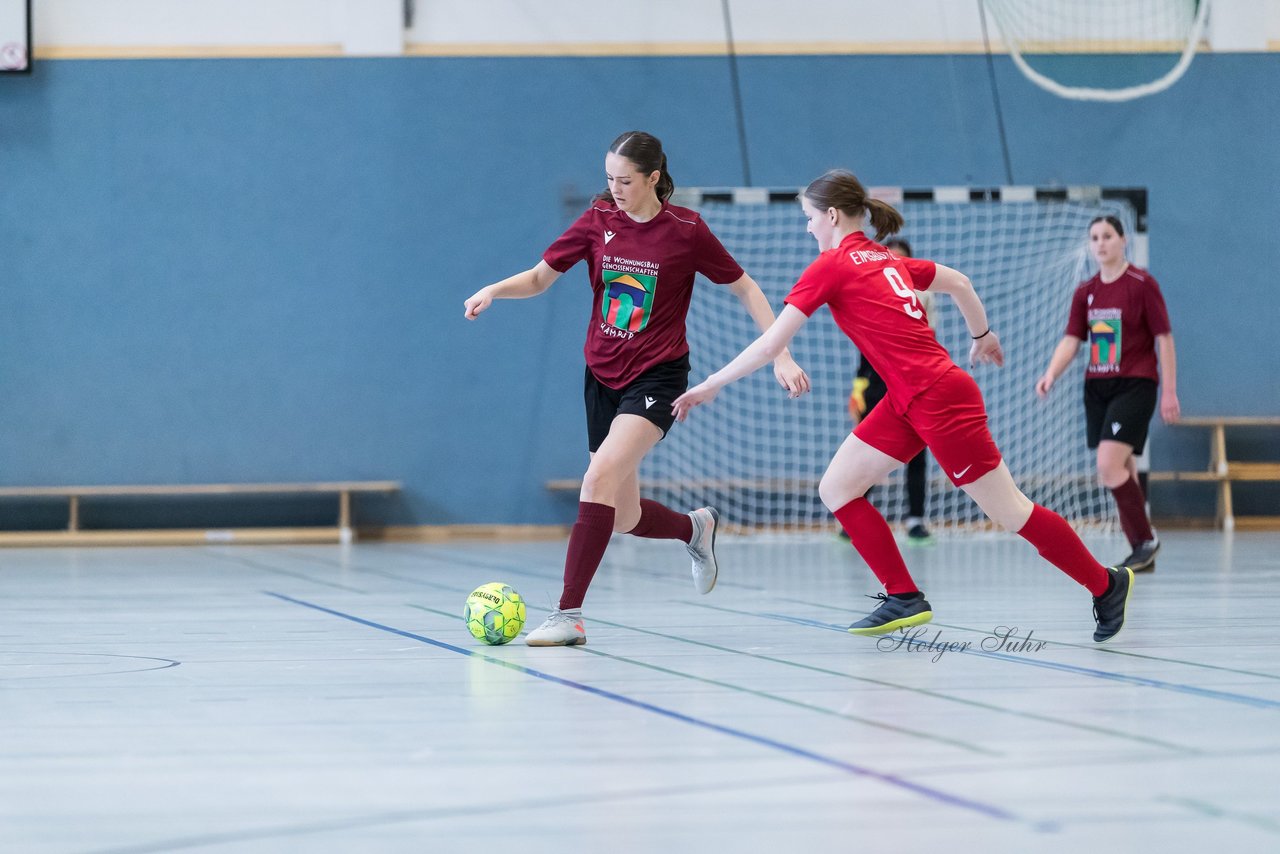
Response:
column 666, row 184
column 884, row 217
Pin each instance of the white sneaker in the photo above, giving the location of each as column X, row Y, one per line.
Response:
column 702, row 548
column 562, row 628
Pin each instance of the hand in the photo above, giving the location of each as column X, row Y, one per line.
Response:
column 702, row 393
column 858, row 398
column 1043, row 385
column 1170, row 409
column 477, row 303
column 986, row 349
column 790, row 376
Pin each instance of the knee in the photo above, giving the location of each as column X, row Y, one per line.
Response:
column 1111, row 474
column 836, row 492
column 598, row 482
column 1014, row 517
column 1010, row 511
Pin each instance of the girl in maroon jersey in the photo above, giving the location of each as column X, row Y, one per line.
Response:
column 642, row 254
column 871, row 293
column 1120, row 310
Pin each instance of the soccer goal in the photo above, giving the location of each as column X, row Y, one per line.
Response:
column 758, row 456
column 1101, row 50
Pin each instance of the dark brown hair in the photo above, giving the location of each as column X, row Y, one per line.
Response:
column 841, row 189
column 899, row 245
column 1109, row 220
column 645, row 151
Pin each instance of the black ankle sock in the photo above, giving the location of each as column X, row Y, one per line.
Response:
column 1111, row 584
column 907, row 596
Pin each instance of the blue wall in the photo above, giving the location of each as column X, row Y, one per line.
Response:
column 254, row 269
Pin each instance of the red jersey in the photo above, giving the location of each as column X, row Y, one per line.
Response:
column 871, row 293
column 1120, row 320
column 642, row 275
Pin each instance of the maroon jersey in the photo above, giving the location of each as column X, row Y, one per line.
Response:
column 871, row 293
column 642, row 275
column 1120, row 320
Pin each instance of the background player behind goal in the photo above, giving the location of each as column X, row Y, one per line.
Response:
column 1122, row 313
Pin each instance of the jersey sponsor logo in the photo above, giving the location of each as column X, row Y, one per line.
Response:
column 962, row 471
column 613, row 332
column 1104, row 345
column 609, row 235
column 649, row 401
column 628, row 299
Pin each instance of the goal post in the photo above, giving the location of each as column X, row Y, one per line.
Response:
column 757, row 456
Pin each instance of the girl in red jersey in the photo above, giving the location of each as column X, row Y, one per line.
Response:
column 642, row 253
column 1120, row 310
column 930, row 402
column 869, row 390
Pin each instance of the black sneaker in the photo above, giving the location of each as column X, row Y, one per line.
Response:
column 918, row 535
column 893, row 614
column 1108, row 609
column 1143, row 558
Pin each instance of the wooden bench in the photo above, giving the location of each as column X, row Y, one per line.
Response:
column 74, row 534
column 1225, row 472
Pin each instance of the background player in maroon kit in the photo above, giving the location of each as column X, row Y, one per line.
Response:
column 1122, row 313
column 642, row 253
column 871, row 294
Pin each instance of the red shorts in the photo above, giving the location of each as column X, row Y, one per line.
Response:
column 949, row 417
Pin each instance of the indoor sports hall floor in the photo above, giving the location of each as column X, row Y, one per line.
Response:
column 326, row 699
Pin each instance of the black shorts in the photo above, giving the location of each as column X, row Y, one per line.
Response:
column 876, row 389
column 1119, row 409
column 649, row 395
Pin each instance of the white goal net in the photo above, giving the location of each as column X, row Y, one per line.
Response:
column 757, row 456
column 1101, row 50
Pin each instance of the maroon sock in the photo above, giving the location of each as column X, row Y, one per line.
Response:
column 1133, row 512
column 587, row 542
column 1061, row 546
column 870, row 535
column 659, row 522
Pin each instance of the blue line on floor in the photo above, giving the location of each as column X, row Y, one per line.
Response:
column 848, row 767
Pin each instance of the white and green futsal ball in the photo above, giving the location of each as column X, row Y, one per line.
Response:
column 494, row 613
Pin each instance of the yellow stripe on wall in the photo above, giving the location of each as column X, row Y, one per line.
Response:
column 221, row 51
column 716, row 48
column 588, row 49
column 511, row 49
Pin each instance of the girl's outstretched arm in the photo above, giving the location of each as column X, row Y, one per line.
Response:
column 759, row 353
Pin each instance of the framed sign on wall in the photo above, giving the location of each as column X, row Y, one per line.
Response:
column 15, row 36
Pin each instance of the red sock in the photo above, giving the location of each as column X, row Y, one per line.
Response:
column 658, row 522
column 1132, row 505
column 870, row 535
column 1060, row 545
column 587, row 542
